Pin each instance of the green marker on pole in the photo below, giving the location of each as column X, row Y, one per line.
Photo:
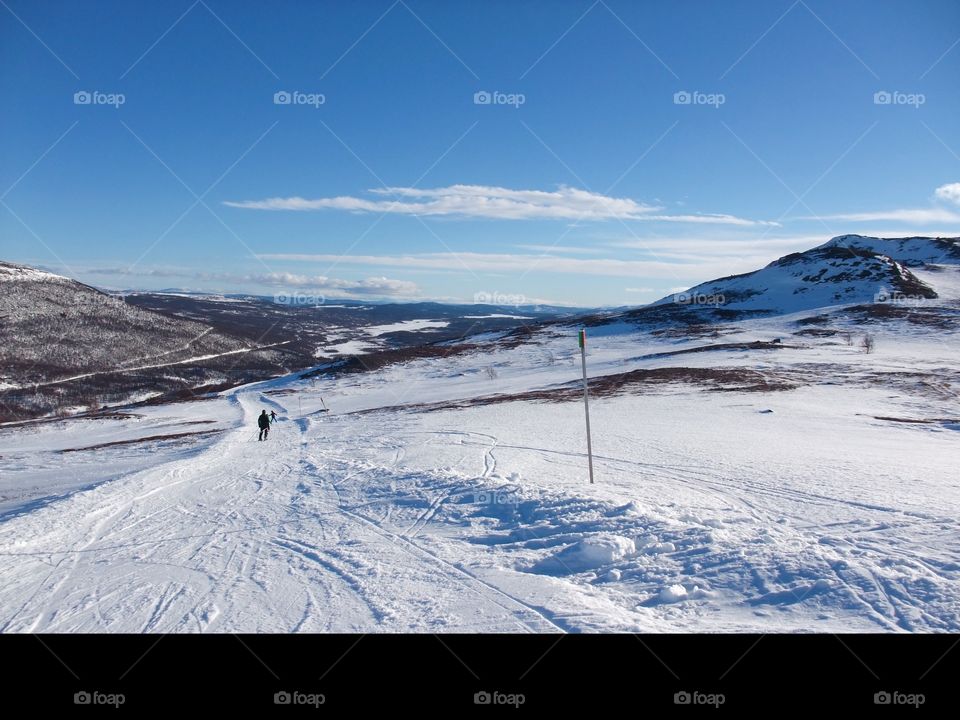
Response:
column 582, row 339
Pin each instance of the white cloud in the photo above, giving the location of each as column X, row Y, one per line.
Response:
column 949, row 192
column 558, row 249
column 371, row 286
column 702, row 247
column 504, row 263
column 484, row 201
column 918, row 215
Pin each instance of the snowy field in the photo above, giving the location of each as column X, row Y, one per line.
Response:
column 828, row 501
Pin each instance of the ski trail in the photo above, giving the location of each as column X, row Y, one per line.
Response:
column 230, row 539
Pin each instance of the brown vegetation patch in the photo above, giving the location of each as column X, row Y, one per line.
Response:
column 150, row 438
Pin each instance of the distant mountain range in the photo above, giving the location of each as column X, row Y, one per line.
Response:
column 67, row 347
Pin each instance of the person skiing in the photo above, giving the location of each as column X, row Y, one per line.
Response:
column 273, row 416
column 264, row 422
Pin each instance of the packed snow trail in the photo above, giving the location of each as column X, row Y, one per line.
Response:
column 244, row 536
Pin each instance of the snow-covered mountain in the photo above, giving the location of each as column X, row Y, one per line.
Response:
column 847, row 269
column 909, row 251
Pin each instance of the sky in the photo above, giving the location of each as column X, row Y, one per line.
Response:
column 572, row 152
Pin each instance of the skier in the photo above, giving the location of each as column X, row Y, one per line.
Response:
column 264, row 422
column 273, row 416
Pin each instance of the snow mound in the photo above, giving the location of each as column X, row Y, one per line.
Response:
column 679, row 593
column 589, row 553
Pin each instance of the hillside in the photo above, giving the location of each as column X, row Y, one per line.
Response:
column 66, row 346
column 847, row 270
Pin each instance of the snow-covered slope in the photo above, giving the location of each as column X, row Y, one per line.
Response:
column 847, row 269
column 741, row 485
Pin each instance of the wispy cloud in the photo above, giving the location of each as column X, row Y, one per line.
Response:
column 914, row 215
column 949, row 193
column 371, row 286
column 490, row 202
column 559, row 249
column 686, row 248
column 506, row 263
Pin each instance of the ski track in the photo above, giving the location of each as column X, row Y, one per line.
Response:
column 211, row 529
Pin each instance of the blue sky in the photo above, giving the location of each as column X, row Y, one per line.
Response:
column 593, row 153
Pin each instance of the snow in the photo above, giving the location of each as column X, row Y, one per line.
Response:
column 411, row 507
column 591, row 552
column 706, row 514
column 910, row 251
column 498, row 315
column 848, row 269
column 405, row 326
column 362, row 347
column 23, row 273
column 351, row 347
column 674, row 593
